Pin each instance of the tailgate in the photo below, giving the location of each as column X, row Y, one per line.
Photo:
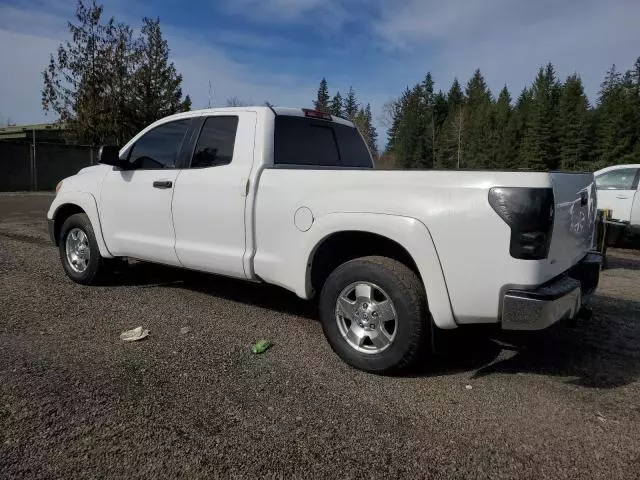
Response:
column 574, row 218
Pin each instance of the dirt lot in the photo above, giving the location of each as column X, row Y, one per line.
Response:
column 75, row 402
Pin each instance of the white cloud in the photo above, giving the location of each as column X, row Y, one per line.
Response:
column 331, row 14
column 508, row 40
column 23, row 58
column 28, row 37
column 199, row 63
column 284, row 8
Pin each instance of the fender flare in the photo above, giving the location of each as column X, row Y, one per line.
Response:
column 86, row 202
column 408, row 232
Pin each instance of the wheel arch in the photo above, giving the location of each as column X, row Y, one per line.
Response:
column 404, row 239
column 72, row 203
column 60, row 216
column 340, row 247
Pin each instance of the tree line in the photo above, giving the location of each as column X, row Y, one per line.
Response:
column 551, row 125
column 351, row 109
column 106, row 83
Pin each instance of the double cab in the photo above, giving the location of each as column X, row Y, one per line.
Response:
column 290, row 197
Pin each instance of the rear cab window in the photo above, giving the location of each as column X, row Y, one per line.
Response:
column 303, row 141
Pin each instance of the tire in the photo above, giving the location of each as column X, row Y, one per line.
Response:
column 95, row 270
column 387, row 278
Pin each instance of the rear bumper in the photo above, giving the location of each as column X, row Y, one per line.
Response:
column 559, row 299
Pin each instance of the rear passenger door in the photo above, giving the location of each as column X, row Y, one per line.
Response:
column 616, row 191
column 210, row 194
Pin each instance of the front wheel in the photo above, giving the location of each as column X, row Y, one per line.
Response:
column 374, row 314
column 79, row 251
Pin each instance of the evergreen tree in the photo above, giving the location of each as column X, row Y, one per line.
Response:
column 634, row 76
column 186, row 104
column 438, row 119
column 428, row 123
column 439, row 110
column 364, row 124
column 550, row 126
column 409, row 148
column 351, row 105
column 478, row 139
column 322, row 99
column 336, row 105
column 455, row 97
column 372, row 134
column 574, row 125
column 520, row 121
column 541, row 134
column 123, row 58
column 616, row 114
column 106, row 85
column 397, row 108
column 452, row 137
column 157, row 85
column 76, row 79
column 505, row 135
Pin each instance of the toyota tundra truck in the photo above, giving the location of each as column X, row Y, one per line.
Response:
column 291, row 197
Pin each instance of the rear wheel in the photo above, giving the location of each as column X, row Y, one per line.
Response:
column 374, row 313
column 79, row 251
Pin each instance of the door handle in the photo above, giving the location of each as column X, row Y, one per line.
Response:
column 162, row 184
column 622, row 197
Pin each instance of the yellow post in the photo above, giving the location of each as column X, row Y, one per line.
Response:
column 602, row 240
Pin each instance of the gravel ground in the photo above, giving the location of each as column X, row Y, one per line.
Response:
column 76, row 402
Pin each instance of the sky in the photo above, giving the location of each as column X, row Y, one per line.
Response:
column 279, row 50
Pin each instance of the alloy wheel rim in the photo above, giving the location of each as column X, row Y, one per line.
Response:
column 366, row 317
column 78, row 250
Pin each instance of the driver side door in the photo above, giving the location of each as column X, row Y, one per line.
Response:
column 135, row 204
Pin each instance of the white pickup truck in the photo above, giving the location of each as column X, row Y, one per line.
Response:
column 290, row 197
column 619, row 191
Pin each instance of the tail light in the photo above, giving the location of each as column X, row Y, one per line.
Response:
column 529, row 214
column 316, row 114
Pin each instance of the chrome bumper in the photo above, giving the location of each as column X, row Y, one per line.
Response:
column 557, row 300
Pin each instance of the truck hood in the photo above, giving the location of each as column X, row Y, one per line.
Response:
column 95, row 169
column 87, row 180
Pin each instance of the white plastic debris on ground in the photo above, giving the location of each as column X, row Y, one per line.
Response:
column 134, row 335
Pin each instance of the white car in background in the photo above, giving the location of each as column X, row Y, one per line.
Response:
column 618, row 191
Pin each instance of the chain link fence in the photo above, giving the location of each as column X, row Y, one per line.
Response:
column 39, row 166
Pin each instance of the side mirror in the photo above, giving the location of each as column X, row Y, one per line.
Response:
column 108, row 155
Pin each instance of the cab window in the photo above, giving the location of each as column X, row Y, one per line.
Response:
column 159, row 148
column 621, row 179
column 216, row 141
